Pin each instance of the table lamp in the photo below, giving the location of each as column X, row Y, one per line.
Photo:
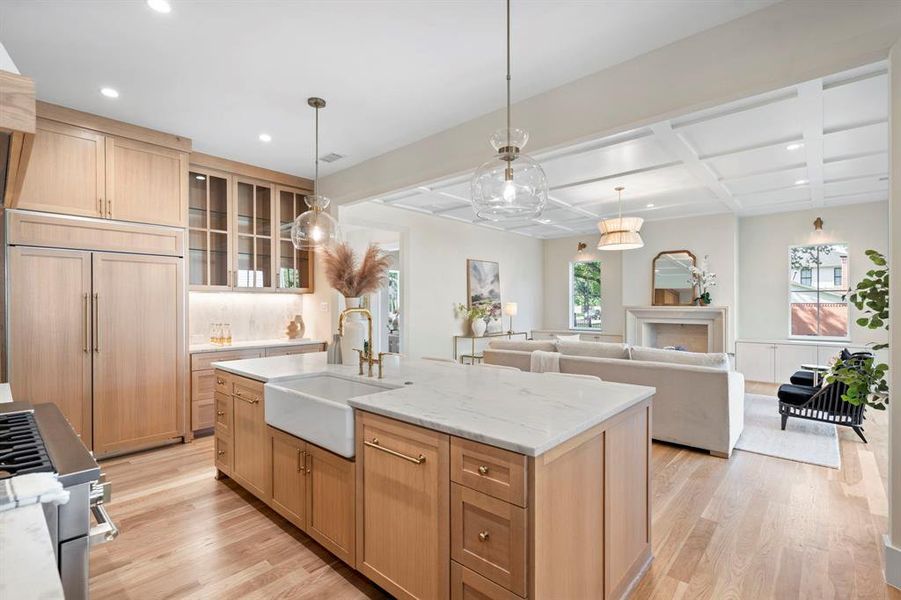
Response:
column 510, row 310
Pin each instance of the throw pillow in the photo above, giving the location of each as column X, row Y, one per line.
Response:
column 594, row 349
column 569, row 338
column 715, row 360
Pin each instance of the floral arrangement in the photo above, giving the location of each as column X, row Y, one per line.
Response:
column 351, row 281
column 703, row 279
column 471, row 313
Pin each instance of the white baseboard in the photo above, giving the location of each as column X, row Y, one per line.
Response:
column 892, row 564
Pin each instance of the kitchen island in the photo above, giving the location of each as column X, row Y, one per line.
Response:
column 462, row 481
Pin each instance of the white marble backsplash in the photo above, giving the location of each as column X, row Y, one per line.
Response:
column 252, row 316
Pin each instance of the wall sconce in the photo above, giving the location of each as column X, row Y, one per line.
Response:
column 818, row 224
column 581, row 247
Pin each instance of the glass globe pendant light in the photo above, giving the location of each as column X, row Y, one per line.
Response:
column 512, row 185
column 620, row 233
column 315, row 228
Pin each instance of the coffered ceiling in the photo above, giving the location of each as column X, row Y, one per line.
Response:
column 820, row 143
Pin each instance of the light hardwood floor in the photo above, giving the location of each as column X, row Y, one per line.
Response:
column 745, row 528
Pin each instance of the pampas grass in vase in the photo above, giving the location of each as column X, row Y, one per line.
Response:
column 353, row 282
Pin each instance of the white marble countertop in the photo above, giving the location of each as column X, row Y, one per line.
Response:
column 5, row 394
column 27, row 562
column 529, row 413
column 249, row 344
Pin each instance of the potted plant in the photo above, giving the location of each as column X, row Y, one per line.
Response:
column 866, row 379
column 353, row 282
column 703, row 279
column 475, row 314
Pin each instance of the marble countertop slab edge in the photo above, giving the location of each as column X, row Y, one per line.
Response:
column 251, row 345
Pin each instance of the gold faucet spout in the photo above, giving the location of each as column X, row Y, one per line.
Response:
column 365, row 354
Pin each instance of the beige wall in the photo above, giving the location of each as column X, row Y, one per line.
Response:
column 557, row 256
column 433, row 255
column 763, row 261
column 768, row 49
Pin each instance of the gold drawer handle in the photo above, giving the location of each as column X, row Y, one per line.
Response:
column 252, row 400
column 220, row 413
column 220, row 452
column 483, row 536
column 220, row 381
column 375, row 444
column 483, row 470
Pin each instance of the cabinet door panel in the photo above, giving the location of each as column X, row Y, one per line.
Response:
column 139, row 350
column 252, row 457
column 49, row 331
column 402, row 507
column 756, row 361
column 790, row 357
column 289, row 477
column 146, row 183
column 330, row 502
column 66, row 171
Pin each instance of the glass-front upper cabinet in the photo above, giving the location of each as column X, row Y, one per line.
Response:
column 254, row 217
column 295, row 267
column 209, row 228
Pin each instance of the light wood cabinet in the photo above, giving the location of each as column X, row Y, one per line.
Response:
column 79, row 171
column 139, row 350
column 331, row 509
column 67, row 171
column 145, row 183
column 255, row 238
column 469, row 585
column 209, row 229
column 295, row 267
column 251, row 448
column 289, row 477
column 50, row 333
column 204, row 382
column 403, row 495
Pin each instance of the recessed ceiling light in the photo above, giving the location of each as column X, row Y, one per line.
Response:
column 109, row 92
column 265, row 137
column 200, row 178
column 802, row 182
column 795, row 146
column 649, row 205
column 160, row 6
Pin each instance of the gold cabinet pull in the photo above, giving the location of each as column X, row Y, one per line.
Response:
column 220, row 413
column 85, row 318
column 220, row 452
column 247, row 400
column 301, row 459
column 220, row 381
column 483, row 470
column 109, row 208
column 97, row 323
column 375, row 444
column 100, row 206
column 483, row 536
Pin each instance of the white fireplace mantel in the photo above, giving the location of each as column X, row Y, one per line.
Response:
column 640, row 321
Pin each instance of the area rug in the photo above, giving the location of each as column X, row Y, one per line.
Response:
column 802, row 441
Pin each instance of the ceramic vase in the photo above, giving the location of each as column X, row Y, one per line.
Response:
column 478, row 327
column 355, row 331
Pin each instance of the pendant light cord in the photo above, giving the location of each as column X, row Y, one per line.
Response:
column 508, row 74
column 316, row 151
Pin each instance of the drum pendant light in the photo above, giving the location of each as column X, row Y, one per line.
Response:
column 620, row 233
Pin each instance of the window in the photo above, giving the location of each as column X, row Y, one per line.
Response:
column 585, row 294
column 816, row 290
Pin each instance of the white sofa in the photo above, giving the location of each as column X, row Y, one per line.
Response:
column 699, row 400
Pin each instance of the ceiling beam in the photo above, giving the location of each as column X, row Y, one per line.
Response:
column 810, row 97
column 678, row 147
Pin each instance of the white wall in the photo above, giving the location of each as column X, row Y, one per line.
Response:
column 433, row 268
column 711, row 235
column 6, row 63
column 763, row 261
column 557, row 256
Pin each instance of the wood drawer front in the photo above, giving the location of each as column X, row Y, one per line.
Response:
column 496, row 472
column 247, row 390
column 223, row 455
column 288, row 350
column 204, row 360
column 203, row 415
column 222, row 382
column 489, row 536
column 469, row 585
column 223, row 415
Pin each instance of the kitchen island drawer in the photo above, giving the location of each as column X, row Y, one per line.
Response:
column 496, row 472
column 469, row 585
column 201, row 361
column 223, row 455
column 489, row 536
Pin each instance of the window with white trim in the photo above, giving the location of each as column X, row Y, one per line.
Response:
column 817, row 286
column 585, row 294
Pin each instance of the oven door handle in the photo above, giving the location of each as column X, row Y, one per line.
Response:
column 105, row 530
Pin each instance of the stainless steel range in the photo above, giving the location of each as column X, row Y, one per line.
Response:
column 36, row 439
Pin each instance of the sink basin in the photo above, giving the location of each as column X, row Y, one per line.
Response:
column 314, row 407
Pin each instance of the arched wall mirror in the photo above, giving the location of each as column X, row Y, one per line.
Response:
column 670, row 279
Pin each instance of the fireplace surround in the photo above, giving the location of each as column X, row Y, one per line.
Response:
column 695, row 328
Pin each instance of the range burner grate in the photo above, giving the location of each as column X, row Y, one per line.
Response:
column 22, row 448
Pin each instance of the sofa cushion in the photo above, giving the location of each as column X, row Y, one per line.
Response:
column 716, row 360
column 593, row 349
column 796, row 395
column 523, row 345
column 569, row 338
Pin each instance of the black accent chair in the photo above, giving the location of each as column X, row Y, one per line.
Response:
column 822, row 403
